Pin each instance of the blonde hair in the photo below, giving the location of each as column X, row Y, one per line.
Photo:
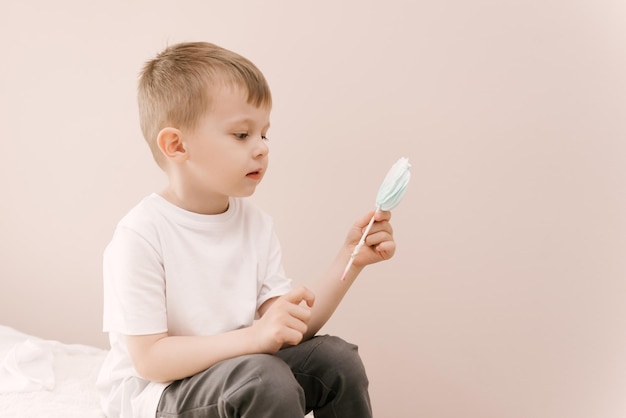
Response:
column 174, row 87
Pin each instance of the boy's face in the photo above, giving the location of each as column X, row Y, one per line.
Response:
column 227, row 151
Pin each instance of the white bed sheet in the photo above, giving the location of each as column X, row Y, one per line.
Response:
column 44, row 378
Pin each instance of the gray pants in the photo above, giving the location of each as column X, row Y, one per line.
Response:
column 324, row 375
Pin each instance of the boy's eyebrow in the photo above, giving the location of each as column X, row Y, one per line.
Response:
column 236, row 121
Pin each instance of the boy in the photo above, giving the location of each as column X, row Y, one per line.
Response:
column 201, row 318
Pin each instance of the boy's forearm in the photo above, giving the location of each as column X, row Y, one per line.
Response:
column 177, row 357
column 377, row 246
column 329, row 291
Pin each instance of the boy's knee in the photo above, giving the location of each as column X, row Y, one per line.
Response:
column 266, row 382
column 344, row 356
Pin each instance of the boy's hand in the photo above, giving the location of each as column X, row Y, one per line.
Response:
column 285, row 321
column 379, row 243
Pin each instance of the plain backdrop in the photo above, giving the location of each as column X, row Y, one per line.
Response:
column 506, row 298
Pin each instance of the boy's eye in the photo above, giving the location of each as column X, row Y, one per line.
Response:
column 264, row 138
column 241, row 135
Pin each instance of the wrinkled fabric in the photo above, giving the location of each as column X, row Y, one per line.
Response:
column 27, row 367
column 27, row 392
column 27, row 363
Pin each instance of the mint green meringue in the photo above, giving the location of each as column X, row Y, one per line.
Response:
column 393, row 188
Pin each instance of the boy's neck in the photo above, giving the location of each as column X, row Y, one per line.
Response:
column 190, row 202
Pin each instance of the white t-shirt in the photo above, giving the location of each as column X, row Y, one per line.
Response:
column 170, row 270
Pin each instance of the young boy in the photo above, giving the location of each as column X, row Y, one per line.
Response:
column 201, row 318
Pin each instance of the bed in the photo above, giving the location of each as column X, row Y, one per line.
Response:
column 45, row 378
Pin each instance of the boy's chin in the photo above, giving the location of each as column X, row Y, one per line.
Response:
column 244, row 193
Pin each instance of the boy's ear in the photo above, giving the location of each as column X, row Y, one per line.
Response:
column 171, row 144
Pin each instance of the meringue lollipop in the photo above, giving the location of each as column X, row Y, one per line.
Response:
column 389, row 195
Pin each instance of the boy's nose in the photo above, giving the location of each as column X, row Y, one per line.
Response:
column 261, row 148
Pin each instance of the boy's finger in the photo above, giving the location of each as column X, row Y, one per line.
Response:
column 378, row 237
column 364, row 220
column 298, row 295
column 383, row 215
column 382, row 226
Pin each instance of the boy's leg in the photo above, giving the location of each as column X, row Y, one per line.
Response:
column 252, row 386
column 332, row 375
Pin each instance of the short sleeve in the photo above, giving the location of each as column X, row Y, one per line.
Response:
column 134, row 285
column 273, row 281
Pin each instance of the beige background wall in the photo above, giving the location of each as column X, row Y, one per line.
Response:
column 506, row 297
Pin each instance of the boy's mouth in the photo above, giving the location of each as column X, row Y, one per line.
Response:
column 254, row 174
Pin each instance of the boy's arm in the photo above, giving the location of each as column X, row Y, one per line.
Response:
column 164, row 358
column 329, row 289
column 283, row 321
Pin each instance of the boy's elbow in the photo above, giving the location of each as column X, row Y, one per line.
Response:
column 144, row 360
column 147, row 371
column 156, row 378
column 150, row 368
